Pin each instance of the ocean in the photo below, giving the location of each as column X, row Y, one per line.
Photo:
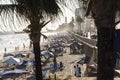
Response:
column 12, row 40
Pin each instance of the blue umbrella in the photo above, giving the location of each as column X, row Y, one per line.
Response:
column 28, row 63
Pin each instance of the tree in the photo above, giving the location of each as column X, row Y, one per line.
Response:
column 33, row 11
column 104, row 12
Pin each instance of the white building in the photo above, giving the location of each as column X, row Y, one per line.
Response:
column 87, row 25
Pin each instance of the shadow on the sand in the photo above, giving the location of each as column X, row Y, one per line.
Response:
column 75, row 54
column 73, row 62
column 45, row 69
column 31, row 77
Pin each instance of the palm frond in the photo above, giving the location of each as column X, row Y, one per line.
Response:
column 40, row 10
column 51, row 7
column 6, row 8
column 45, row 23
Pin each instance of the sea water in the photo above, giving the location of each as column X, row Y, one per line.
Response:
column 10, row 41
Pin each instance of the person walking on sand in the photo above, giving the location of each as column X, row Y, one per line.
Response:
column 23, row 46
column 5, row 50
column 77, row 71
column 74, row 70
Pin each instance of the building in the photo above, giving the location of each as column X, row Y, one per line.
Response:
column 83, row 25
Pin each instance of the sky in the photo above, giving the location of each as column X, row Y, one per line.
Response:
column 67, row 13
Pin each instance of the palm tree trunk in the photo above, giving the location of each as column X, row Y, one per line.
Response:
column 105, row 53
column 55, row 62
column 35, row 38
column 104, row 14
column 38, row 70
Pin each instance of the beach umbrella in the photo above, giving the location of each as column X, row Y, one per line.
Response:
column 27, row 63
column 13, row 73
column 11, row 60
column 20, row 55
column 8, row 54
column 5, row 58
column 47, row 53
column 81, row 61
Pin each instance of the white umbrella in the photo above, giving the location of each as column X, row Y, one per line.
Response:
column 5, row 58
column 13, row 73
column 47, row 53
column 11, row 60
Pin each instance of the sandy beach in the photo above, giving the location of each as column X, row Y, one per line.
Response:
column 30, row 69
column 69, row 61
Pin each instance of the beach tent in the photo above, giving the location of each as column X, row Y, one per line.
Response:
column 11, row 60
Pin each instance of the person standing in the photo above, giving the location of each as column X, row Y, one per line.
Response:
column 74, row 70
column 5, row 50
column 23, row 46
column 77, row 71
column 61, row 66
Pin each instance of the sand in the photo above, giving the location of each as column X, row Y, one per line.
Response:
column 68, row 60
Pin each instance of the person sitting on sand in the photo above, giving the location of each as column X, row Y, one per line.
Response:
column 61, row 66
column 74, row 71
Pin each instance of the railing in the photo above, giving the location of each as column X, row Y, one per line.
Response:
column 89, row 42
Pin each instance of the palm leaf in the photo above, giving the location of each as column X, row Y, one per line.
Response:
column 29, row 8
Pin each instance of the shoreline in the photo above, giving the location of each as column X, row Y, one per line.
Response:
column 21, row 50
